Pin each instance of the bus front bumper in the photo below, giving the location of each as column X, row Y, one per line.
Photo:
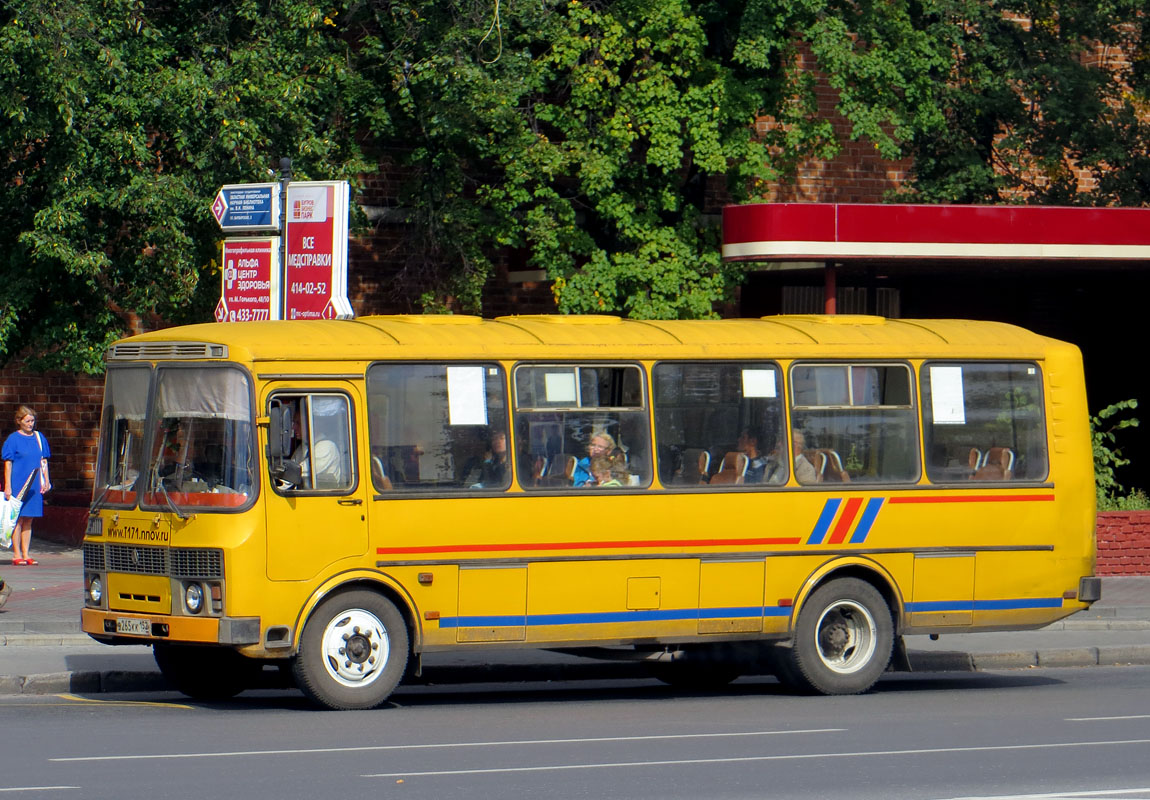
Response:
column 147, row 628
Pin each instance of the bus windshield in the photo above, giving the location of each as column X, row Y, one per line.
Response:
column 120, row 457
column 197, row 435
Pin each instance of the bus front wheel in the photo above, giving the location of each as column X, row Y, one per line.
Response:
column 843, row 640
column 353, row 651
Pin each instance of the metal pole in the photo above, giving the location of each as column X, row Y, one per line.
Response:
column 829, row 289
column 285, row 178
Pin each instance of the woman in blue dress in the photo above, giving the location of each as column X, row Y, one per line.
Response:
column 25, row 455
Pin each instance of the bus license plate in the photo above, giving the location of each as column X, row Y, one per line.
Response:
column 137, row 627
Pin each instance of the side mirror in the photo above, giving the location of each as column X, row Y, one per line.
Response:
column 279, row 433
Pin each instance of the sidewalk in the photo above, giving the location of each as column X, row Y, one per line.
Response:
column 42, row 650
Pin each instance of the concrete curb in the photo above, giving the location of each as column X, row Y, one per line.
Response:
column 97, row 682
column 82, row 682
column 46, row 640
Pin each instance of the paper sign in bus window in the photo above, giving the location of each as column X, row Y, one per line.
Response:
column 466, row 397
column 759, row 383
column 560, row 387
column 946, row 399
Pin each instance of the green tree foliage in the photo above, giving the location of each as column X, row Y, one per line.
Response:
column 586, row 134
column 1029, row 103
column 119, row 120
column 581, row 136
column 1108, row 457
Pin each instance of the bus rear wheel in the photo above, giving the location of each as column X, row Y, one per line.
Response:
column 843, row 639
column 353, row 651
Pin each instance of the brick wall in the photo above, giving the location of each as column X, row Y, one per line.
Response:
column 67, row 413
column 858, row 174
column 1123, row 543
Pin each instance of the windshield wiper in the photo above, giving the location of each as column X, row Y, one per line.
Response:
column 167, row 497
column 95, row 507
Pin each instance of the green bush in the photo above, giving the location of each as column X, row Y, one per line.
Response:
column 1108, row 457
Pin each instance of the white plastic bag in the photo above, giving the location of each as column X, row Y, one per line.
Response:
column 9, row 514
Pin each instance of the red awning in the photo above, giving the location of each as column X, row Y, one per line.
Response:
column 846, row 232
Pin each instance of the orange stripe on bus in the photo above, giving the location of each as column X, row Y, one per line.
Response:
column 845, row 519
column 976, row 498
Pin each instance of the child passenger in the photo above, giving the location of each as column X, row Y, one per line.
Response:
column 601, row 471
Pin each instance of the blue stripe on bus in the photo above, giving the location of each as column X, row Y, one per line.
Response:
column 830, row 508
column 873, row 506
column 985, row 605
column 942, row 605
column 482, row 622
column 590, row 618
column 1036, row 602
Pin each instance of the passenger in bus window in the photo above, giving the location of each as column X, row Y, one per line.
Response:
column 748, row 445
column 603, row 472
column 490, row 470
column 329, row 463
column 326, row 457
column 601, row 445
column 776, row 470
column 804, row 469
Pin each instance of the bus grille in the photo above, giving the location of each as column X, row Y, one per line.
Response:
column 94, row 557
column 178, row 562
column 140, row 560
column 197, row 562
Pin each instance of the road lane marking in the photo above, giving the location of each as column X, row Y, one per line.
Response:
column 748, row 759
column 77, row 699
column 441, row 745
column 35, row 788
column 1105, row 719
column 1102, row 793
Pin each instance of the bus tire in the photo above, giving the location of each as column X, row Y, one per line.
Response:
column 353, row 651
column 843, row 639
column 781, row 664
column 205, row 673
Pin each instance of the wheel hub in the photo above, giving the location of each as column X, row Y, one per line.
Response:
column 846, row 636
column 355, row 647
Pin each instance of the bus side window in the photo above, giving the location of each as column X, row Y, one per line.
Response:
column 983, row 421
column 707, row 411
column 438, row 427
column 315, row 452
column 567, row 414
column 857, row 423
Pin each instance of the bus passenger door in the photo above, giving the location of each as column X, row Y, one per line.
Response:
column 315, row 496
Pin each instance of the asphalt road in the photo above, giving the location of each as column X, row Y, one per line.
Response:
column 1046, row 733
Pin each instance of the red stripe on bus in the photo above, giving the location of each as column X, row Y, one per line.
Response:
column 976, row 498
column 486, row 548
column 850, row 510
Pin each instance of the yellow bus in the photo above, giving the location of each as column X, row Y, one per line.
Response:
column 793, row 494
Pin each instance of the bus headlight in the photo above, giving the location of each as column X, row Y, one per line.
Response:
column 95, row 590
column 194, row 598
